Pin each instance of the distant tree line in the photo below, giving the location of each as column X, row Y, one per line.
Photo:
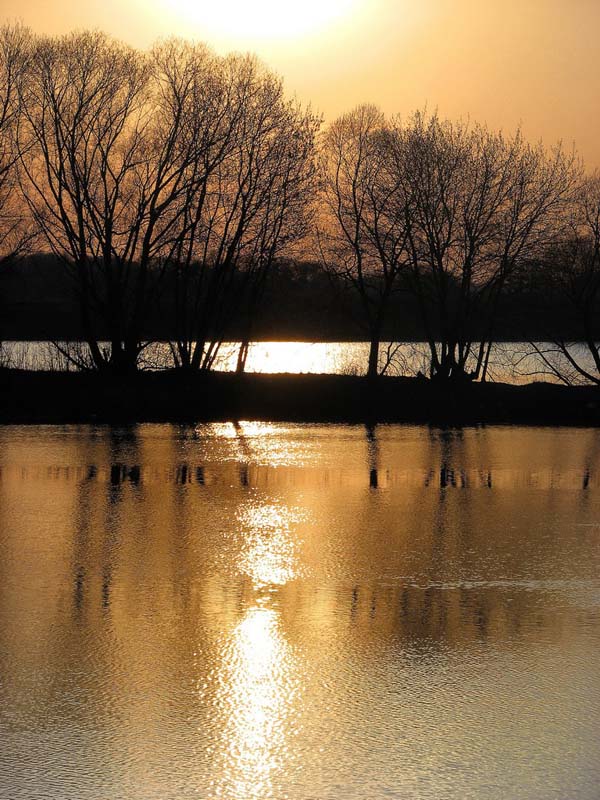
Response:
column 300, row 302
column 179, row 173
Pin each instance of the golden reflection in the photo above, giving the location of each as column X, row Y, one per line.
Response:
column 208, row 636
column 270, row 551
column 239, row 430
column 258, row 693
column 300, row 357
column 212, row 450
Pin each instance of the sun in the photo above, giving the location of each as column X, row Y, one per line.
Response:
column 260, row 19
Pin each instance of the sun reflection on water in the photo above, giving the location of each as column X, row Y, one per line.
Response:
column 362, row 620
column 298, row 357
column 270, row 551
column 258, row 694
column 259, row 681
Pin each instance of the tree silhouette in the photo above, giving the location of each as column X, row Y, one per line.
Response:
column 363, row 235
column 480, row 204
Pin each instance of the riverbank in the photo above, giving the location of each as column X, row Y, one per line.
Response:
column 43, row 397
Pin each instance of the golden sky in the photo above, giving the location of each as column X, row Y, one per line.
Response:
column 505, row 62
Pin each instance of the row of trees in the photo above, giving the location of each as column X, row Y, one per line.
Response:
column 131, row 167
column 179, row 167
column 452, row 213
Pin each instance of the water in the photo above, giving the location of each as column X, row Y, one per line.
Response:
column 303, row 612
column 511, row 362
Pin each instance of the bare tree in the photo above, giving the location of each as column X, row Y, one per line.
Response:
column 288, row 173
column 363, row 234
column 250, row 204
column 108, row 154
column 80, row 141
column 571, row 271
column 480, row 204
column 15, row 234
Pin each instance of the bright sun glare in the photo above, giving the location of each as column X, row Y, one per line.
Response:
column 261, row 18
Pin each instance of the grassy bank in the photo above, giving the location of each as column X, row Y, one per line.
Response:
column 41, row 397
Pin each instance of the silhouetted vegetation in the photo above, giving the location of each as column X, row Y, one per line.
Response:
column 15, row 233
column 186, row 396
column 299, row 301
column 364, row 236
column 571, row 271
column 177, row 195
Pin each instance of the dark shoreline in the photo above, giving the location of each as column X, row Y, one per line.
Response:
column 61, row 398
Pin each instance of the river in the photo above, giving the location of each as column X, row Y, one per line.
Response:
column 254, row 610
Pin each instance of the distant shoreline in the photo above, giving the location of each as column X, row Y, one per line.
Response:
column 283, row 339
column 170, row 396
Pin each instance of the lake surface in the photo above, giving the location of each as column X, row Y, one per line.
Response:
column 510, row 362
column 303, row 612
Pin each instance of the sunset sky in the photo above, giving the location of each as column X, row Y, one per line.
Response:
column 534, row 62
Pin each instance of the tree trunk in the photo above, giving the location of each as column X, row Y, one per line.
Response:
column 373, row 369
column 123, row 358
column 242, row 357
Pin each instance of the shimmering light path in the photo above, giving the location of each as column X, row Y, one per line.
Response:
column 260, row 611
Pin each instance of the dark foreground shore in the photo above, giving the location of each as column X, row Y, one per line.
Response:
column 38, row 397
